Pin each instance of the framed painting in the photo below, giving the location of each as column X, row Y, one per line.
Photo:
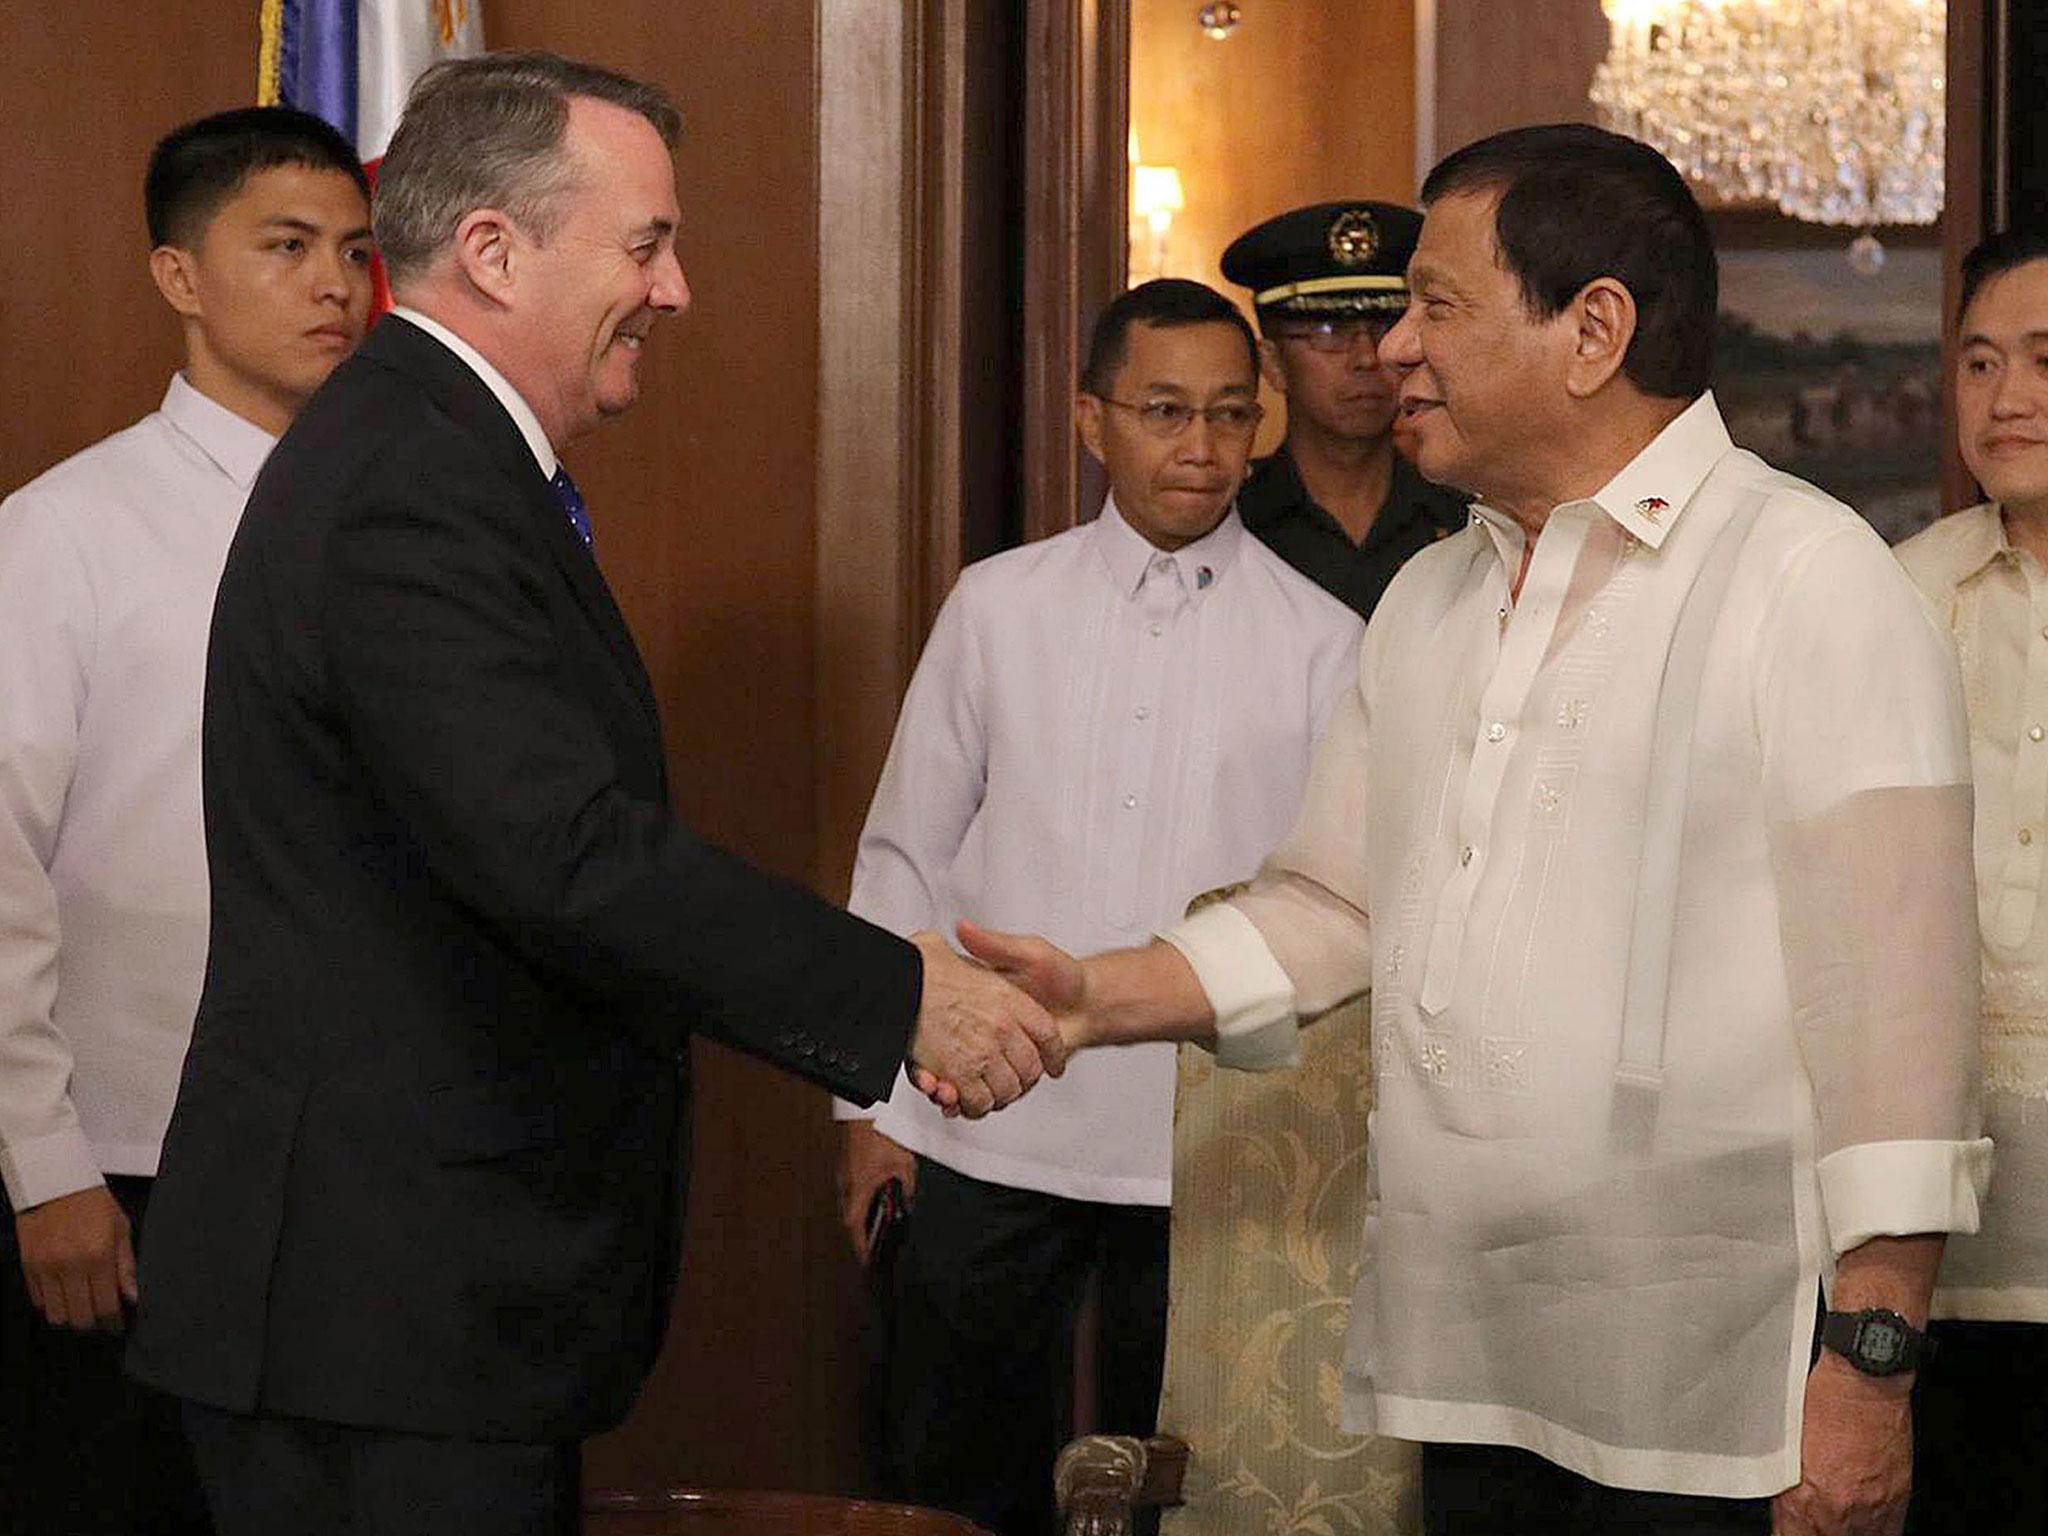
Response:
column 1831, row 368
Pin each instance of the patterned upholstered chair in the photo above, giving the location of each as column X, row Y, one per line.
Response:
column 1269, row 1190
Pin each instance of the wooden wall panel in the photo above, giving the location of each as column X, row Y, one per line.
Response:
column 88, row 345
column 2022, row 42
column 1501, row 66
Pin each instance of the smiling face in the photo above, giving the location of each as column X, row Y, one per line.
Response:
column 2002, row 387
column 607, row 272
column 274, row 291
column 1483, row 394
column 1346, row 393
column 1175, row 489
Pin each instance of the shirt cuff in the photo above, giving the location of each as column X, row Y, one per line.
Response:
column 845, row 1109
column 59, row 1163
column 1899, row 1188
column 1250, row 993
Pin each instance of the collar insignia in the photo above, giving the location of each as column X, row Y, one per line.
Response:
column 1653, row 507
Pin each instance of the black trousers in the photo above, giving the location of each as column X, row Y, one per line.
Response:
column 981, row 1370
column 266, row 1476
column 1499, row 1490
column 1980, row 1432
column 84, row 1451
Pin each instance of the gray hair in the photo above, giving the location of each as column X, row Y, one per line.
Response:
column 486, row 132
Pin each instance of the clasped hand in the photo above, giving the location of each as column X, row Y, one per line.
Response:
column 982, row 1039
column 984, row 1032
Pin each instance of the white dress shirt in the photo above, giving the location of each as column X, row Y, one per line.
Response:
column 108, row 565
column 1994, row 598
column 515, row 404
column 1639, row 1312
column 1098, row 732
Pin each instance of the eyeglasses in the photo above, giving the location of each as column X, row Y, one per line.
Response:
column 1232, row 419
column 1339, row 333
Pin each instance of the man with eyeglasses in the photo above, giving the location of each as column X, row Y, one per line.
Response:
column 1337, row 502
column 1103, row 725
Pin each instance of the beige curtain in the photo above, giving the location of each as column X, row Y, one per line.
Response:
column 1268, row 1207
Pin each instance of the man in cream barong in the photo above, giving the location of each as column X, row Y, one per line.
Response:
column 1981, row 1405
column 1648, row 826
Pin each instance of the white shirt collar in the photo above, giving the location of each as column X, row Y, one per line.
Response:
column 1653, row 488
column 1130, row 555
column 235, row 444
column 515, row 404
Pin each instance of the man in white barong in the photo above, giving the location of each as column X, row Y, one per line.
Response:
column 1648, row 826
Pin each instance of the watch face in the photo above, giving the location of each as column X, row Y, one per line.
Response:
column 1880, row 1342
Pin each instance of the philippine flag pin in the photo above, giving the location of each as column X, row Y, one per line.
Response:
column 1653, row 507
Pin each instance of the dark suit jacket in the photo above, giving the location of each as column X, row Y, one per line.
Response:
column 426, row 1169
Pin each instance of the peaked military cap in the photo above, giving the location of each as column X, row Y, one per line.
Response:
column 1328, row 259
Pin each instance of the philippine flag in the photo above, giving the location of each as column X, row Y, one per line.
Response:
column 353, row 61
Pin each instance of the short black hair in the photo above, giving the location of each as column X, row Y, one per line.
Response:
column 1578, row 203
column 198, row 167
column 1165, row 301
column 1998, row 255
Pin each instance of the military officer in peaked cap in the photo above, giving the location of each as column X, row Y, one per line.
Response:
column 1336, row 501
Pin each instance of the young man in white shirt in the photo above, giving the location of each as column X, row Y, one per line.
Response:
column 1647, row 824
column 259, row 227
column 1103, row 726
column 1982, row 1397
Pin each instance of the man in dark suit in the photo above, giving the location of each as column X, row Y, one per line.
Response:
column 419, row 1206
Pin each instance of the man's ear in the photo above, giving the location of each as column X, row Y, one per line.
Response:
column 1269, row 365
column 490, row 251
column 1603, row 320
column 175, row 271
column 1088, row 422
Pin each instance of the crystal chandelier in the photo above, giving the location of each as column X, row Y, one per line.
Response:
column 1831, row 109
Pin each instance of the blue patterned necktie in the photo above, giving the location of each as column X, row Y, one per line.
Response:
column 571, row 502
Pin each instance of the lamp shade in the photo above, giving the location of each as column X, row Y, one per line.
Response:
column 1155, row 189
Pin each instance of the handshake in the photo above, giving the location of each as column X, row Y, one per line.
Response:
column 990, row 1027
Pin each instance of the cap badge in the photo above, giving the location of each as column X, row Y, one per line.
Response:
column 1653, row 507
column 1354, row 238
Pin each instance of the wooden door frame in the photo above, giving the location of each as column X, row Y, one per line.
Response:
column 1076, row 232
column 890, row 239
column 1975, row 179
column 868, row 523
column 891, row 234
